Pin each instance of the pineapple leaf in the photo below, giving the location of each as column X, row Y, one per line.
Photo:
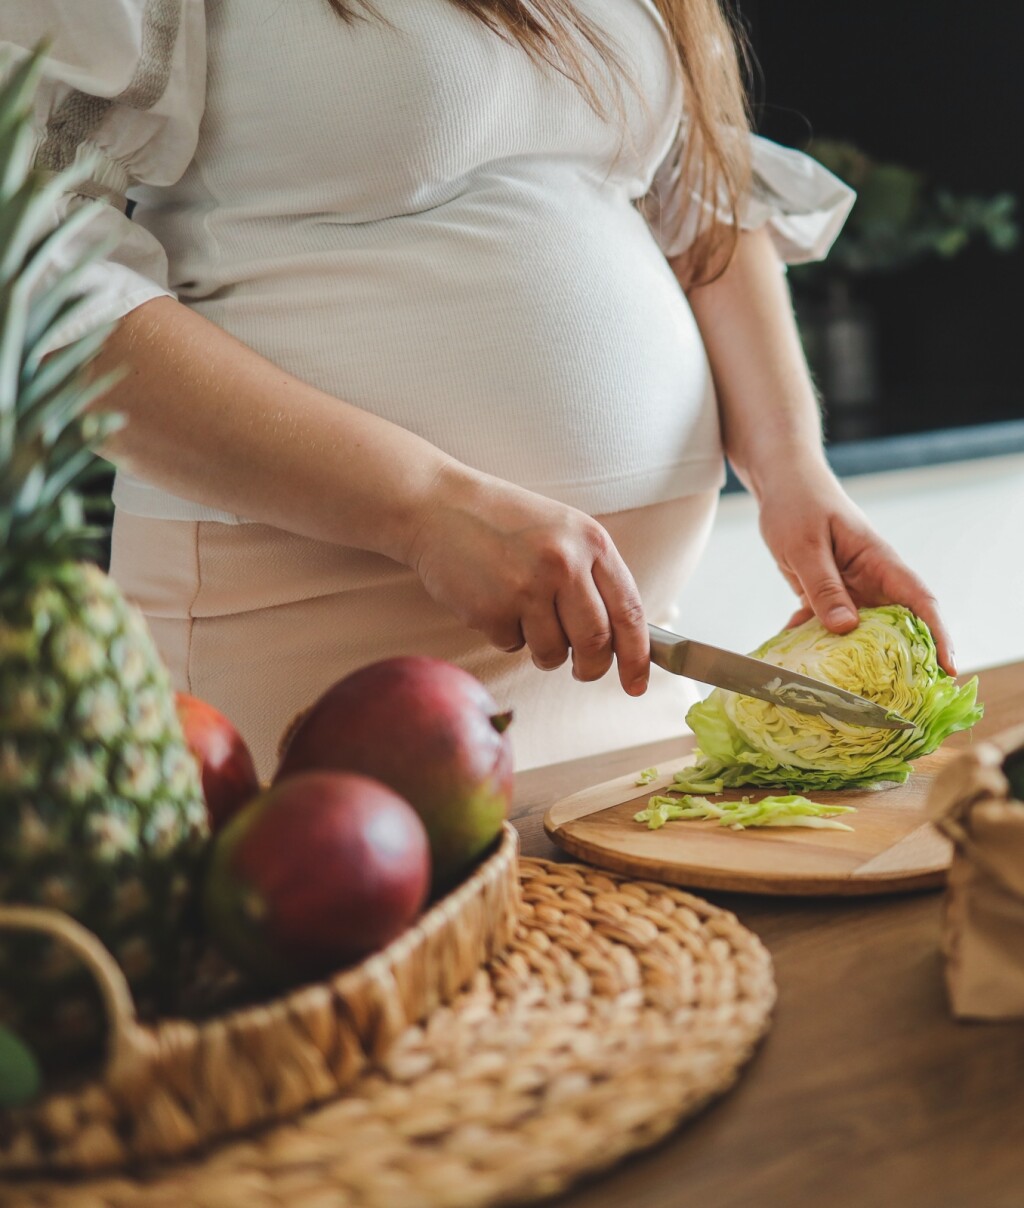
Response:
column 18, row 90
column 71, row 466
column 30, row 491
column 15, row 159
column 47, row 301
column 12, row 330
column 38, row 343
column 61, row 367
column 27, row 215
column 39, row 334
column 60, row 379
column 46, row 429
column 57, row 451
column 19, row 217
column 51, row 408
column 59, row 440
column 21, row 221
column 69, row 509
column 74, row 539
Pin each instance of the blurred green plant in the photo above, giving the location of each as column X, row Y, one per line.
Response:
column 901, row 217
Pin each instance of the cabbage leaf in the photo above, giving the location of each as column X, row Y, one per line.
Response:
column 889, row 658
column 738, row 815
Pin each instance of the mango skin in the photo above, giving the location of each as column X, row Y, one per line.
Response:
column 315, row 874
column 225, row 761
column 433, row 733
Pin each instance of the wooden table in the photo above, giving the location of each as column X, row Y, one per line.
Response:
column 866, row 1092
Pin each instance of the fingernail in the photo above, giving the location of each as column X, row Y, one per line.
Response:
column 841, row 615
column 639, row 686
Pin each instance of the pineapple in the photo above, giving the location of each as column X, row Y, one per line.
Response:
column 101, row 807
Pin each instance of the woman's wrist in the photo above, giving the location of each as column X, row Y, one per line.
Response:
column 771, row 425
column 778, row 462
column 450, row 479
column 454, row 490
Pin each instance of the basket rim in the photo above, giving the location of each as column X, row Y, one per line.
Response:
column 350, row 978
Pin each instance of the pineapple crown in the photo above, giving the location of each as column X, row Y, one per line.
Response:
column 45, row 433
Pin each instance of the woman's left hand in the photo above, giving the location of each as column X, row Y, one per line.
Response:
column 834, row 560
column 771, row 430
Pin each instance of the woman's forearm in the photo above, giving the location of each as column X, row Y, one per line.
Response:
column 211, row 420
column 823, row 544
column 769, row 411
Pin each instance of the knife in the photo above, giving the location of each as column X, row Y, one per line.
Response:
column 777, row 685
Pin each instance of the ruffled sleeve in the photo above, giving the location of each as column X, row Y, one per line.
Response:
column 123, row 84
column 802, row 204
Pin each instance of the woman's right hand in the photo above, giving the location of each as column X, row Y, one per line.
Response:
column 522, row 569
column 526, row 570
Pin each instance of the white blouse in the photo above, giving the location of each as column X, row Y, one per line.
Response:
column 415, row 217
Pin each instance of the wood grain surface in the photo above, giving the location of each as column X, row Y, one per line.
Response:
column 891, row 848
column 866, row 1092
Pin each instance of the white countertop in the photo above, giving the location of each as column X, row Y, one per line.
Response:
column 960, row 525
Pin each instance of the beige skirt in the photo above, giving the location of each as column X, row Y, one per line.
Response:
column 259, row 622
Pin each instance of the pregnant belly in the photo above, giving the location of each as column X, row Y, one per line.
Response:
column 544, row 341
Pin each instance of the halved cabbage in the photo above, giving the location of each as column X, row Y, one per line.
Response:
column 889, row 658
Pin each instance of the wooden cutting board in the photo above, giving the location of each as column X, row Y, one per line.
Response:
column 892, row 848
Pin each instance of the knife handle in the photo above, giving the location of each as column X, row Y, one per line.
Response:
column 666, row 647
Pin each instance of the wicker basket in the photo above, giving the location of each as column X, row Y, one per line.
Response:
column 173, row 1087
column 619, row 1009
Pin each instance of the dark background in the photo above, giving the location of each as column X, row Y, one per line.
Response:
column 935, row 85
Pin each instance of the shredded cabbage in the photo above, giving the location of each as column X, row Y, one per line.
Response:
column 769, row 811
column 889, row 658
column 646, row 776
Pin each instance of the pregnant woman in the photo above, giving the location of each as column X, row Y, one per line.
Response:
column 436, row 318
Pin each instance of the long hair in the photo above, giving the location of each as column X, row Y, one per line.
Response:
column 711, row 55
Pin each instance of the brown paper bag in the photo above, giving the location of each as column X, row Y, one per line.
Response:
column 983, row 924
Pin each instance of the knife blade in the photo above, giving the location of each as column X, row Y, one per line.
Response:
column 756, row 677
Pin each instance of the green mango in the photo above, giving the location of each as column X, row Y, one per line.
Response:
column 20, row 1078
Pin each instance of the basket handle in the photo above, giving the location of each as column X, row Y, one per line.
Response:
column 130, row 1049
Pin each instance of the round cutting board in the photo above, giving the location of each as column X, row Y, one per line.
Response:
column 892, row 847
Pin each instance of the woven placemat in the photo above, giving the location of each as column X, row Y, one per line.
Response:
column 620, row 1008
